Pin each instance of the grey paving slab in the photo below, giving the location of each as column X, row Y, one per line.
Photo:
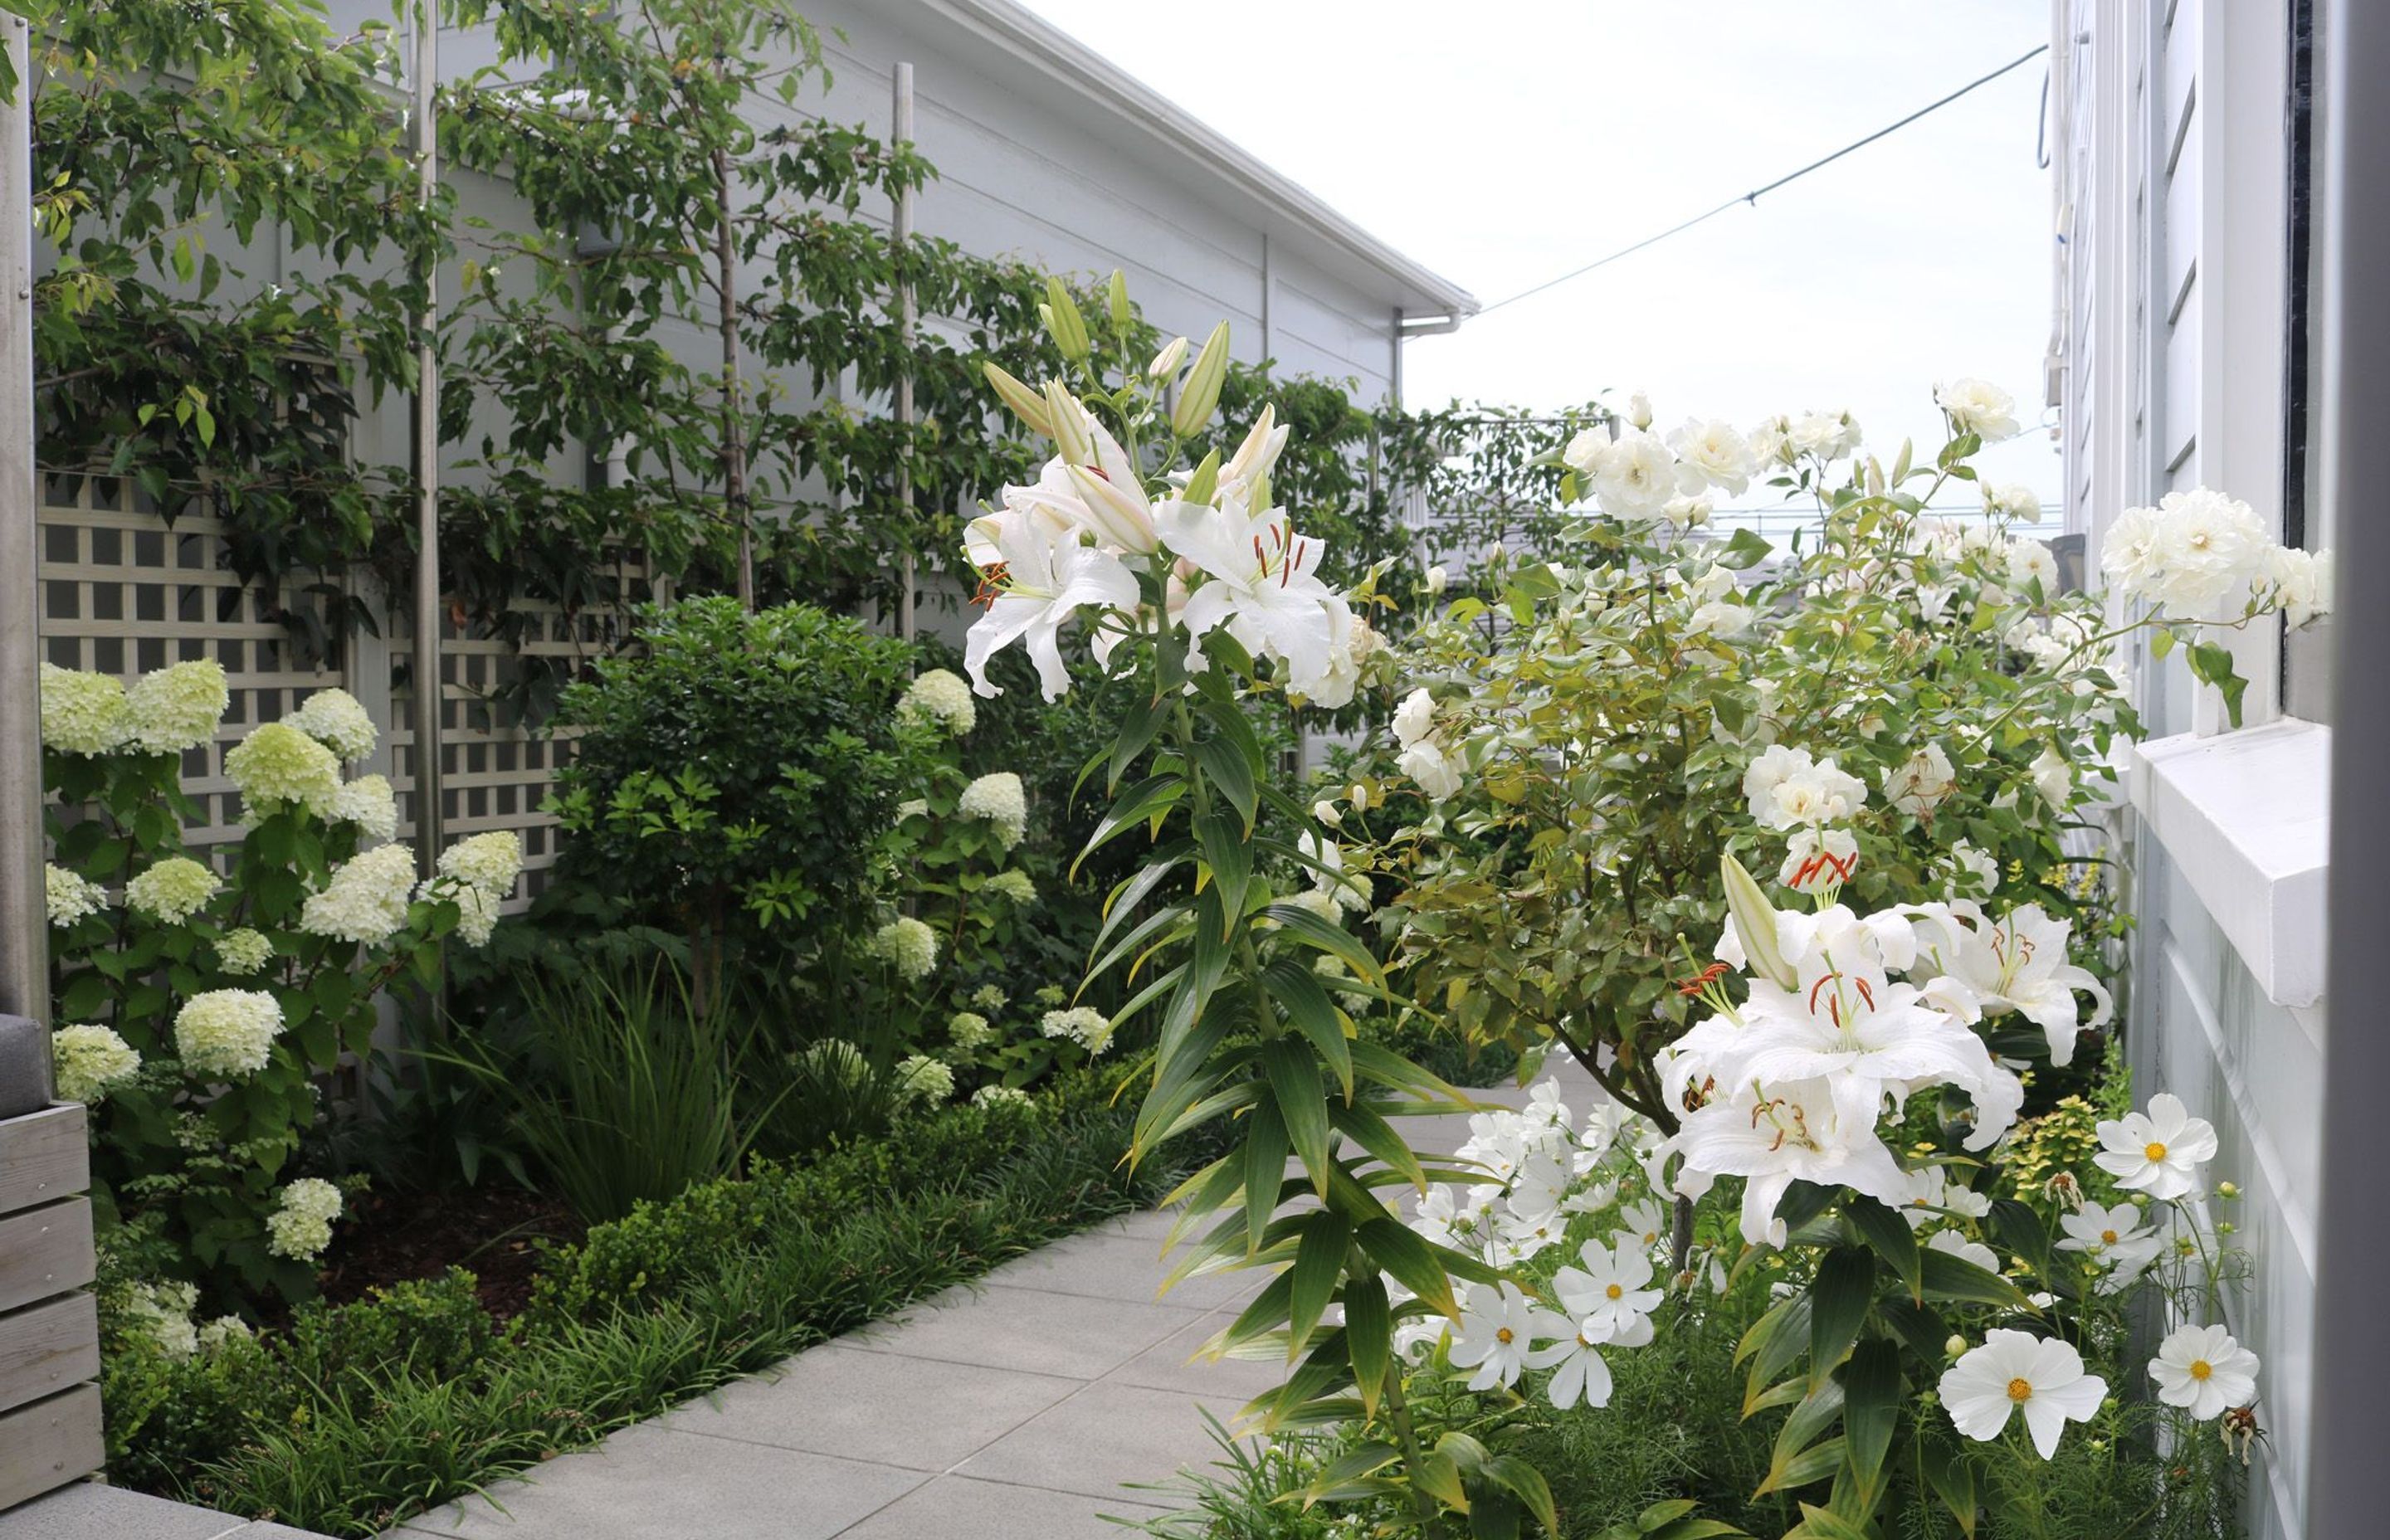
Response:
column 271, row 1532
column 649, row 1483
column 1171, row 1364
column 920, row 1413
column 1123, row 1267
column 1071, row 1336
column 90, row 1511
column 993, row 1510
column 1105, row 1436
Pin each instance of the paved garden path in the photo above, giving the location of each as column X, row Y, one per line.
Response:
column 1015, row 1408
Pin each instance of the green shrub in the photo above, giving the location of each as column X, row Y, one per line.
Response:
column 735, row 773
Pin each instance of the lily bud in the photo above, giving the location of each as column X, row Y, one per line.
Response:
column 1063, row 320
column 1118, row 297
column 1755, row 924
column 1199, row 392
column 1027, row 403
column 1166, row 362
column 1067, row 425
column 1203, row 485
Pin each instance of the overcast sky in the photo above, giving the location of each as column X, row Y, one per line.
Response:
column 1503, row 142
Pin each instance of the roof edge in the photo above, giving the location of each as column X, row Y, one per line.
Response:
column 1036, row 42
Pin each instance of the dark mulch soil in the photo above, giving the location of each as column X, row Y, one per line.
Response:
column 490, row 1231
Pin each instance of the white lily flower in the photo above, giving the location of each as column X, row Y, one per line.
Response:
column 1262, row 585
column 1787, row 1132
column 1041, row 583
column 2020, row 964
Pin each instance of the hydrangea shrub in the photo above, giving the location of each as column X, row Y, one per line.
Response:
column 201, row 1003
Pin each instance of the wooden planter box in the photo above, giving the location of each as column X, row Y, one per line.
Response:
column 50, row 1332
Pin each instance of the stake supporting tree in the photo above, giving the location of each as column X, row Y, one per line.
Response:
column 24, row 932
column 900, row 138
column 426, row 450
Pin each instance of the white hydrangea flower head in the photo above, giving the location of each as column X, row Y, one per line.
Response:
column 335, row 719
column 1014, row 888
column 988, row 997
column 370, row 805
column 477, row 911
column 970, row 1030
column 1979, row 407
column 227, row 1034
column 82, row 712
column 163, row 1310
column 1084, row 1025
column 939, row 698
column 302, row 1227
column 366, row 900
column 490, row 862
column 216, row 1335
column 907, row 946
column 91, row 1061
column 997, row 798
column 70, row 897
column 278, row 766
column 243, row 952
column 173, row 891
column 999, row 1096
column 923, row 1080
column 177, row 707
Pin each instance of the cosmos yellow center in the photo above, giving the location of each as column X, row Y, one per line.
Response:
column 2020, row 1389
column 2108, row 1237
column 2153, row 1151
column 2201, row 1368
column 1651, row 1238
column 1615, row 1292
column 1503, row 1335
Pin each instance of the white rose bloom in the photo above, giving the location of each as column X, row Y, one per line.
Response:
column 2299, row 582
column 1687, row 513
column 2206, row 545
column 2030, row 562
column 1771, row 441
column 1712, row 454
column 1438, row 773
column 1723, row 619
column 1582, row 452
column 1828, row 435
column 1764, row 773
column 1978, row 407
column 2016, row 501
column 1972, row 868
column 1820, row 794
column 1636, row 477
column 2053, row 778
column 1414, row 718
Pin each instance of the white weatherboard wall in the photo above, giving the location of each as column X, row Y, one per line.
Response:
column 2170, row 168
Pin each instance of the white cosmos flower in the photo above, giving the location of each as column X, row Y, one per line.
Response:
column 1611, row 1293
column 1636, row 476
column 1957, row 1245
column 1497, row 1328
column 1979, row 407
column 1262, row 585
column 1787, row 1132
column 1712, row 454
column 2159, row 1151
column 2113, row 1239
column 1578, row 1372
column 1533, row 1225
column 2016, row 1371
column 2202, row 1369
column 1643, row 1224
column 1931, row 1192
column 1042, row 580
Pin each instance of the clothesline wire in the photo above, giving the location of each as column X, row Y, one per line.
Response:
column 1754, row 196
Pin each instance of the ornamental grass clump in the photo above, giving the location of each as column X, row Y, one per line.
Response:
column 204, row 998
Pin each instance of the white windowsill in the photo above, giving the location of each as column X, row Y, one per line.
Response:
column 2246, row 817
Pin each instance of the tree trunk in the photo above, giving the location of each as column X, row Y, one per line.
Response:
column 734, row 419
